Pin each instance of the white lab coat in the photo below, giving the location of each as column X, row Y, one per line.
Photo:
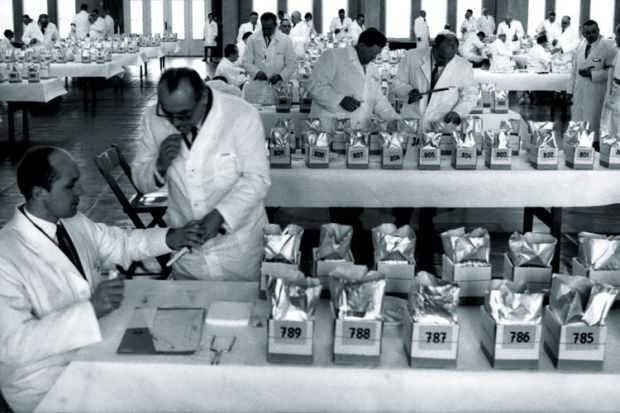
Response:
column 45, row 312
column 355, row 30
column 339, row 73
column 278, row 58
column 610, row 117
column 241, row 48
column 486, row 24
column 109, row 24
column 247, row 27
column 98, row 29
column 231, row 72
column 588, row 94
column 414, row 71
column 568, row 40
column 420, row 27
column 300, row 33
column 338, row 24
column 470, row 27
column 33, row 31
column 551, row 30
column 516, row 28
column 227, row 169
column 222, row 86
column 5, row 43
column 209, row 33
column 473, row 49
column 538, row 59
column 82, row 25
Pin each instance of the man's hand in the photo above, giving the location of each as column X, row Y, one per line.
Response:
column 191, row 235
column 212, row 224
column 275, row 79
column 261, row 76
column 168, row 151
column 107, row 296
column 452, row 117
column 414, row 96
column 586, row 72
column 350, row 104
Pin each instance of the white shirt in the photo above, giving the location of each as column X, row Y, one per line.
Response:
column 470, row 27
column 98, row 29
column 338, row 24
column 538, row 59
column 209, row 33
column 355, row 30
column 499, row 48
column 247, row 27
column 568, row 40
column 300, row 33
column 109, row 23
column 231, row 72
column 515, row 29
column 82, row 25
column 486, row 24
column 48, row 227
column 241, row 46
column 473, row 49
column 420, row 27
column 222, row 86
column 552, row 30
column 33, row 31
column 277, row 58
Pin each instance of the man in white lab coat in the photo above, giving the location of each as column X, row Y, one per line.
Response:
column 588, row 83
column 357, row 27
column 469, row 25
column 241, row 48
column 300, row 33
column 209, row 36
column 567, row 39
column 109, row 23
column 340, row 24
column 251, row 26
column 29, row 26
column 486, row 23
column 51, row 289
column 98, row 27
column 269, row 55
column 513, row 29
column 475, row 51
column 549, row 27
column 209, row 147
column 610, row 117
column 82, row 22
column 227, row 68
column 285, row 26
column 420, row 28
column 538, row 58
column 43, row 33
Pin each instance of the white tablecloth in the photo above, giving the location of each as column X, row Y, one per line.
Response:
column 73, row 69
column 154, row 51
column 129, row 59
column 101, row 380
column 44, row 91
column 171, row 48
column 524, row 80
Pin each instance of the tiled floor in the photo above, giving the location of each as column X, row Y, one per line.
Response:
column 117, row 120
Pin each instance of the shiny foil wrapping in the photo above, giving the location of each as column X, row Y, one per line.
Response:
column 445, row 128
column 408, row 125
column 378, row 124
column 577, row 298
column 608, row 139
column 532, row 249
column 312, row 123
column 282, row 245
column 487, row 87
column 500, row 95
column 394, row 140
column 534, row 126
column 582, row 139
column 473, row 246
column 510, row 126
column 286, row 124
column 510, row 303
column 357, row 293
column 340, row 125
column 472, row 124
column 284, row 90
column 358, row 139
column 318, row 139
column 394, row 244
column 433, row 301
column 599, row 252
column 431, row 140
column 464, row 140
column 497, row 139
column 278, row 137
column 544, row 138
column 335, row 241
column 293, row 296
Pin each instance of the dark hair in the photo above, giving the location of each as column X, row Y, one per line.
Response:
column 84, row 6
column 481, row 33
column 171, row 78
column 372, row 37
column 96, row 11
column 360, row 15
column 542, row 39
column 341, row 11
column 210, row 15
column 280, row 13
column 222, row 78
column 246, row 35
column 25, row 16
column 446, row 36
column 268, row 16
column 552, row 13
column 307, row 15
column 469, row 11
column 254, row 14
column 230, row 50
column 590, row 23
column 8, row 33
column 34, row 169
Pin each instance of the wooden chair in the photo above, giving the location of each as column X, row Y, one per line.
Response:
column 134, row 206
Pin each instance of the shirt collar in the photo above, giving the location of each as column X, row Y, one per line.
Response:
column 46, row 226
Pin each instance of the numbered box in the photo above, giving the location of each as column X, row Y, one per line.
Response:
column 579, row 158
column 499, row 104
column 267, row 268
column 280, row 157
column 283, row 104
column 33, row 76
column 339, row 142
column 375, row 144
column 607, row 277
column 498, row 158
column 575, row 345
column 610, row 156
column 430, row 345
column 544, row 158
column 479, row 108
column 358, row 157
column 305, row 104
column 515, row 143
column 357, row 341
column 537, row 279
column 317, row 156
column 290, row 342
column 392, row 158
column 429, row 159
column 322, row 268
column 398, row 275
column 472, row 280
column 464, row 158
column 510, row 346
column 446, row 144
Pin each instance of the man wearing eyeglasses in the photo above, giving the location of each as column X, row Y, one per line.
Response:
column 209, row 148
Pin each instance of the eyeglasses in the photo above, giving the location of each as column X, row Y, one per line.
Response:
column 182, row 116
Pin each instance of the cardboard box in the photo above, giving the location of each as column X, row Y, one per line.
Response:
column 610, row 158
column 392, row 158
column 398, row 275
column 499, row 105
column 479, row 108
column 464, row 158
column 607, row 277
column 339, row 143
column 280, row 157
column 496, row 158
column 290, row 342
column 472, row 280
column 322, row 268
column 575, row 345
column 430, row 345
column 515, row 144
column 446, row 144
column 357, row 341
column 283, row 104
column 579, row 158
column 317, row 156
column 544, row 158
column 358, row 157
column 537, row 279
column 510, row 346
column 305, row 104
column 267, row 267
column 375, row 144
column 429, row 159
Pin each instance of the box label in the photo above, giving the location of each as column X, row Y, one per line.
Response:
column 435, row 337
column 392, row 157
column 359, row 333
column 519, row 337
column 358, row 155
column 289, row 333
column 582, row 338
column 318, row 155
column 466, row 157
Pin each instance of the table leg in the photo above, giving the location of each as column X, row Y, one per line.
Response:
column 93, row 92
column 11, row 114
column 528, row 219
column 25, row 129
column 85, row 85
column 146, row 69
column 140, row 75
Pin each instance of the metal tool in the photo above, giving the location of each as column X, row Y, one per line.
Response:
column 223, row 347
column 441, row 89
column 178, row 255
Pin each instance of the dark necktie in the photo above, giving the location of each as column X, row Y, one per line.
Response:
column 253, row 27
column 588, row 46
column 43, row 30
column 267, row 40
column 66, row 246
column 190, row 141
column 434, row 76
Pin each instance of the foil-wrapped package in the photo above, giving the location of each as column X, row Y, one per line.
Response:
column 461, row 246
column 582, row 139
column 532, row 249
column 358, row 139
column 356, row 292
column 510, row 303
column 394, row 244
column 433, row 301
column 312, row 123
column 497, row 139
column 544, row 138
column 408, row 125
column 284, row 90
column 487, row 87
column 472, row 124
column 318, row 139
column 609, row 139
column 577, row 298
column 431, row 140
column 278, row 137
column 445, row 128
column 599, row 252
column 500, row 95
column 335, row 241
column 378, row 125
column 282, row 246
column 395, row 140
column 340, row 125
column 510, row 126
column 293, row 296
column 285, row 124
column 464, row 140
column 534, row 126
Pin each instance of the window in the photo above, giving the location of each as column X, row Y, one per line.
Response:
column 463, row 5
column 135, row 16
column 303, row 6
column 199, row 18
column 570, row 8
column 330, row 11
column 157, row 16
column 6, row 17
column 398, row 19
column 603, row 11
column 535, row 16
column 436, row 15
column 178, row 18
column 263, row 6
column 66, row 11
column 33, row 8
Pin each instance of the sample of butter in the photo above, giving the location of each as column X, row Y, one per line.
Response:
column 229, row 313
